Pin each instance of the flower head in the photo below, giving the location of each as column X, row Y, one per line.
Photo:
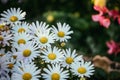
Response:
column 21, row 38
column 26, row 72
column 27, row 52
column 52, row 55
column 82, row 69
column 55, row 72
column 70, row 57
column 20, row 27
column 13, row 15
column 44, row 39
column 113, row 47
column 62, row 32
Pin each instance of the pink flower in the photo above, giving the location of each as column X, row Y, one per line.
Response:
column 113, row 47
column 113, row 13
column 96, row 17
column 118, row 19
column 105, row 22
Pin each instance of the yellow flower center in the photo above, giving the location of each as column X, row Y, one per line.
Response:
column 1, row 55
column 61, row 34
column 50, row 18
column 10, row 65
column 69, row 60
column 62, row 44
column 100, row 3
column 82, row 70
column 14, row 56
column 52, row 56
column 13, row 18
column 27, row 76
column 21, row 30
column 21, row 41
column 43, row 40
column 55, row 76
column 26, row 52
column 1, row 38
column 2, row 26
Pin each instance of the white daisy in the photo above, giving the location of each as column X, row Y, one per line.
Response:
column 82, row 69
column 70, row 57
column 13, row 15
column 26, row 72
column 44, row 39
column 10, row 63
column 5, row 38
column 37, row 27
column 62, row 32
column 20, row 27
column 21, row 38
column 3, row 66
column 27, row 52
column 52, row 55
column 55, row 72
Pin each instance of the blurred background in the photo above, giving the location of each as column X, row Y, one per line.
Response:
column 89, row 38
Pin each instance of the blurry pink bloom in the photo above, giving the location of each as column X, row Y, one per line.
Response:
column 96, row 17
column 101, row 10
column 114, row 48
column 118, row 19
column 113, row 13
column 105, row 22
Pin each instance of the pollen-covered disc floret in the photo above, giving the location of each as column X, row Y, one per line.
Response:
column 55, row 72
column 83, row 69
column 13, row 15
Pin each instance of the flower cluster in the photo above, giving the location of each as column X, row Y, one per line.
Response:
column 22, row 43
column 105, row 15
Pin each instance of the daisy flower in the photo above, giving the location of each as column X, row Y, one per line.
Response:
column 27, row 52
column 13, row 15
column 3, row 66
column 70, row 57
column 62, row 32
column 44, row 39
column 20, row 27
column 37, row 27
column 10, row 63
column 21, row 38
column 5, row 38
column 82, row 69
column 26, row 72
column 52, row 55
column 55, row 72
